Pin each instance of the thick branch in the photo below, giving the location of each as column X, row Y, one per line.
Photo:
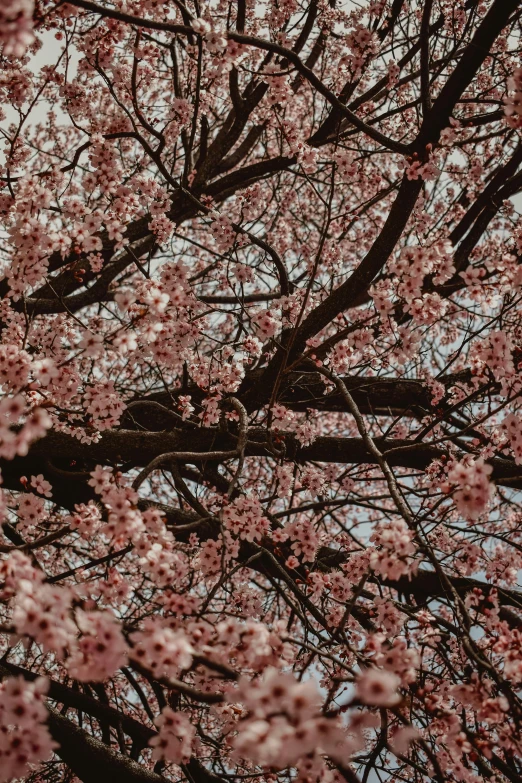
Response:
column 91, row 760
column 137, row 449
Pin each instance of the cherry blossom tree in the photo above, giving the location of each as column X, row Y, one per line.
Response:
column 260, row 364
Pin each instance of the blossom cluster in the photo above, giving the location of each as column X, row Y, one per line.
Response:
column 513, row 102
column 244, row 518
column 284, row 722
column 411, row 268
column 306, row 430
column 473, row 487
column 24, row 735
column 20, row 425
column 493, row 356
column 16, row 26
column 175, row 737
column 163, row 651
column 393, row 556
column 90, row 643
column 511, row 425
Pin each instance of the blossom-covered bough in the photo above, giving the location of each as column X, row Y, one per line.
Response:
column 260, row 411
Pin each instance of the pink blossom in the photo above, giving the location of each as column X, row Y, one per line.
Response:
column 42, row 486
column 473, row 487
column 175, row 739
column 16, row 25
column 101, row 649
column 25, row 738
column 163, row 651
column 378, row 688
column 402, row 738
